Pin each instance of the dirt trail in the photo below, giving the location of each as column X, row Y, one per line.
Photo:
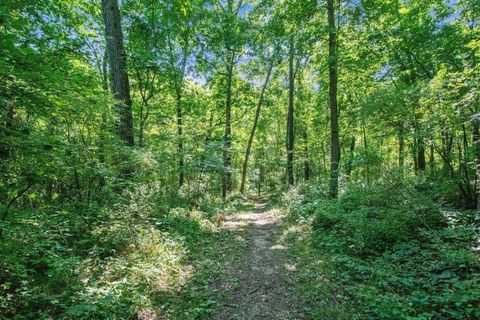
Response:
column 260, row 283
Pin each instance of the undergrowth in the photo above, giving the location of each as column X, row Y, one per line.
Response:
column 384, row 252
column 137, row 259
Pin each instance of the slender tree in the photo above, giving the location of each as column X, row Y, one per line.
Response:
column 255, row 123
column 290, row 120
column 333, row 77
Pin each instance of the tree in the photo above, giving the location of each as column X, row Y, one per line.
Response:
column 118, row 70
column 333, row 80
column 257, row 116
column 290, row 120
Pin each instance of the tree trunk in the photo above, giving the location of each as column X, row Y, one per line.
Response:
column 181, row 164
column 421, row 154
column 141, row 128
column 476, row 144
column 365, row 148
column 179, row 91
column 10, row 113
column 290, row 126
column 118, row 70
column 101, row 157
column 227, row 158
column 334, row 127
column 306, row 161
column 401, row 146
column 432, row 156
column 255, row 122
column 350, row 160
column 447, row 146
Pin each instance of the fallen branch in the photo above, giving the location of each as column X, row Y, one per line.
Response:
column 254, row 290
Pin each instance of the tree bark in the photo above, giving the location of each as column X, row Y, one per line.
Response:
column 118, row 70
column 306, row 161
column 476, row 144
column 179, row 91
column 421, row 154
column 181, row 161
column 103, row 69
column 290, row 125
column 432, row 156
column 227, row 158
column 333, row 87
column 255, row 123
column 401, row 146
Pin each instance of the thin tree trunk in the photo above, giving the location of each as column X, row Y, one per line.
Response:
column 118, row 69
column 141, row 129
column 415, row 151
column 401, row 146
column 181, row 163
column 365, row 147
column 306, row 161
column 10, row 113
column 227, row 158
column 324, row 158
column 290, row 125
column 350, row 160
column 421, row 154
column 476, row 143
column 333, row 87
column 101, row 157
column 432, row 156
column 179, row 91
column 255, row 123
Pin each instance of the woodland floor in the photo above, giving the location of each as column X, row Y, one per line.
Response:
column 260, row 282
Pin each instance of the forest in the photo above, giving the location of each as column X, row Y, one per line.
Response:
column 240, row 159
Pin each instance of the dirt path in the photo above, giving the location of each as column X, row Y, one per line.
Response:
column 260, row 283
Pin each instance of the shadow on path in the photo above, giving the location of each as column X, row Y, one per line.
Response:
column 261, row 283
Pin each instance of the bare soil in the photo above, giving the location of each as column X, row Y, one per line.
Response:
column 260, row 283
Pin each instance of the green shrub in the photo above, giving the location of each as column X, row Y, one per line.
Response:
column 394, row 256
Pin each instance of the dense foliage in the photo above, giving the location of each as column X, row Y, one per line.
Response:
column 383, row 256
column 127, row 126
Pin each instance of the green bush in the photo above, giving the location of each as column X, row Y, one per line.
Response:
column 394, row 257
column 96, row 261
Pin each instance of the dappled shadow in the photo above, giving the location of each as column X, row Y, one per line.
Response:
column 238, row 271
column 261, row 283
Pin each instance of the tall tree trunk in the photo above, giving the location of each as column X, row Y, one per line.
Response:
column 365, row 148
column 432, row 156
column 101, row 156
column 179, row 92
column 476, row 144
column 290, row 126
column 306, row 161
column 447, row 147
column 227, row 158
column 118, row 70
column 255, row 123
column 415, row 154
column 333, row 87
column 181, row 161
column 421, row 154
column 401, row 146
